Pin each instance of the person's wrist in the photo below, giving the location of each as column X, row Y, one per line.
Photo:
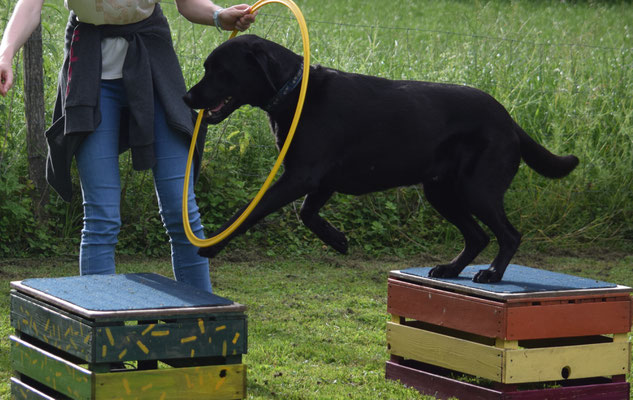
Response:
column 216, row 19
column 6, row 60
column 6, row 53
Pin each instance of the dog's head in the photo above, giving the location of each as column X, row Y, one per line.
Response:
column 243, row 70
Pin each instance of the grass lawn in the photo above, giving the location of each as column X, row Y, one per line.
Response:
column 316, row 323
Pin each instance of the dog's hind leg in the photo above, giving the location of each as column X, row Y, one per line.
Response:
column 452, row 206
column 323, row 229
column 493, row 215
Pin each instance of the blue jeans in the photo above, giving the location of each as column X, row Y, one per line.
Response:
column 98, row 165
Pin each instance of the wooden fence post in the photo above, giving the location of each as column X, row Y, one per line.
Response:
column 35, row 124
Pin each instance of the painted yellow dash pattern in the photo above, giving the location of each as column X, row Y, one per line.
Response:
column 220, row 328
column 68, row 331
column 48, row 321
column 201, row 325
column 141, row 346
column 193, row 353
column 160, row 333
column 237, row 336
column 224, row 349
column 147, row 387
column 220, row 383
column 72, row 343
column 126, row 386
column 25, row 321
column 122, row 354
column 58, row 373
column 149, row 328
column 188, row 339
column 110, row 337
column 104, row 350
column 86, row 339
column 189, row 384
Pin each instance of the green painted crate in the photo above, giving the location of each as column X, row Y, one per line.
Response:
column 142, row 336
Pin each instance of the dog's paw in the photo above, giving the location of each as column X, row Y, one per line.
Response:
column 340, row 245
column 443, row 271
column 210, row 251
column 487, row 276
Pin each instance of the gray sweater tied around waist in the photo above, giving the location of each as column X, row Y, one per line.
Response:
column 150, row 71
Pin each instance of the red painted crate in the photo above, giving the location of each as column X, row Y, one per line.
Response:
column 566, row 324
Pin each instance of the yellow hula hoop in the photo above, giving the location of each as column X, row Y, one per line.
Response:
column 304, row 86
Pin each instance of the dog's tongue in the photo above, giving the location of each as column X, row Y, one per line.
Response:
column 218, row 107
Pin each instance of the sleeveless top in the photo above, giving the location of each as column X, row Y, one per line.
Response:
column 111, row 12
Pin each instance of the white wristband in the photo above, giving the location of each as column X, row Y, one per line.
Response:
column 216, row 21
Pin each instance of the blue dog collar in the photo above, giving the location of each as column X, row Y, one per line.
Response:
column 285, row 89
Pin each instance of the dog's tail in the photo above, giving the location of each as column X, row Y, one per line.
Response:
column 542, row 160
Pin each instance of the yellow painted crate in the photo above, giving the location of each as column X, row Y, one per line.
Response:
column 509, row 362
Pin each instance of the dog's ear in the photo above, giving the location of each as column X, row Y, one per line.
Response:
column 263, row 61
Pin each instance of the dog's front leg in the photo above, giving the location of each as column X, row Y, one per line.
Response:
column 323, row 229
column 284, row 191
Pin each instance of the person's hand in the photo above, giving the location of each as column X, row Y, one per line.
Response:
column 6, row 76
column 236, row 17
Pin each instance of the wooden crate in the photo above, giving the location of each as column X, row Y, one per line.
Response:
column 510, row 338
column 135, row 336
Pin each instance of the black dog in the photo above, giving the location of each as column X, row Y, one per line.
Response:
column 360, row 134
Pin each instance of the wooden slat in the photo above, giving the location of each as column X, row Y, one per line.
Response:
column 50, row 370
column 452, row 310
column 565, row 296
column 568, row 319
column 22, row 391
column 566, row 362
column 188, row 339
column 51, row 326
column 512, row 364
column 438, row 386
column 445, row 351
column 224, row 382
column 444, row 387
column 519, row 319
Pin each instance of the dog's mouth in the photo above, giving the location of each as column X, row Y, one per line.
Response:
column 219, row 112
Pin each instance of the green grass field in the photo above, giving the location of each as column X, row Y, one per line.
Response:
column 317, row 324
column 317, row 320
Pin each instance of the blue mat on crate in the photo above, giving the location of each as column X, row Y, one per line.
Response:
column 125, row 292
column 517, row 279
